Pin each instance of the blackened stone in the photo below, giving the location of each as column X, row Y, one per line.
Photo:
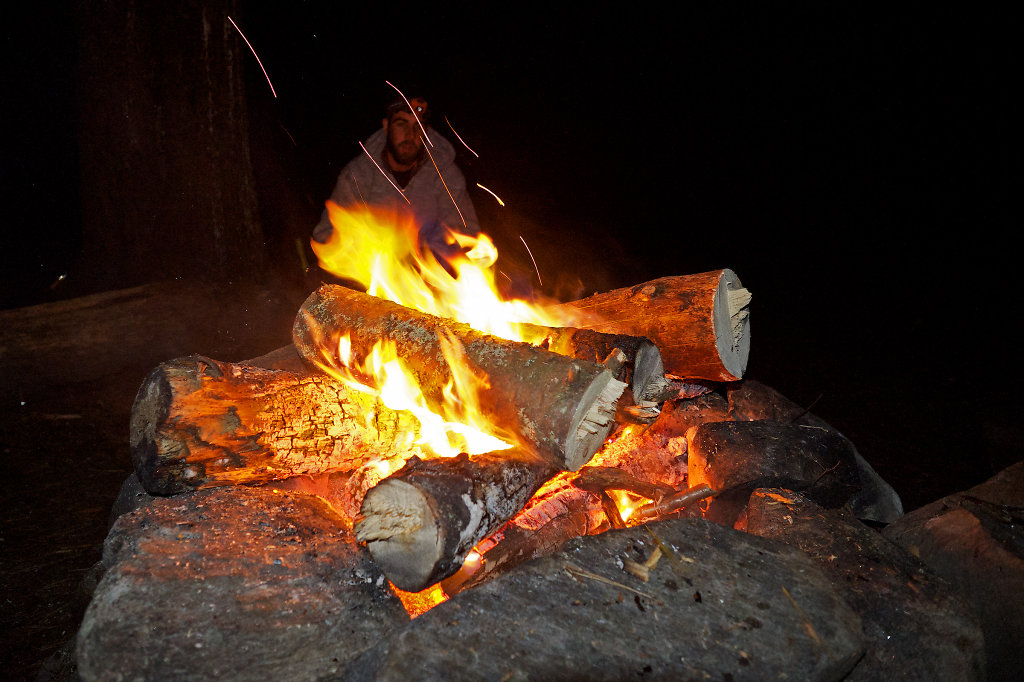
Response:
column 916, row 626
column 975, row 540
column 237, row 583
column 729, row 605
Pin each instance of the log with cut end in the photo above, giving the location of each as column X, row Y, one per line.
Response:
column 420, row 522
column 556, row 406
column 643, row 369
column 197, row 422
column 700, row 323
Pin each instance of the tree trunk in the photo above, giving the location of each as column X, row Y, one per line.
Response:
column 421, row 521
column 167, row 187
column 199, row 423
column 558, row 407
column 700, row 323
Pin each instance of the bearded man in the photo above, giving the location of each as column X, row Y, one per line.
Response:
column 397, row 171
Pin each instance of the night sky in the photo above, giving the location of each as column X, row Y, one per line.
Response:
column 855, row 168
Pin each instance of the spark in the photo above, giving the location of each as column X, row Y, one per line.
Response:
column 460, row 138
column 445, row 184
column 536, row 269
column 370, row 156
column 294, row 144
column 272, row 91
column 408, row 104
column 491, row 193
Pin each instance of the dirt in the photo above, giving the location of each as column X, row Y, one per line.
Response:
column 70, row 372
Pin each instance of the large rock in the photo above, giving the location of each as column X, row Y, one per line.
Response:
column 233, row 583
column 915, row 625
column 725, row 605
column 975, row 540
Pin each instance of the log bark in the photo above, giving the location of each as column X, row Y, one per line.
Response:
column 643, row 368
column 558, row 407
column 197, row 422
column 700, row 323
column 420, row 522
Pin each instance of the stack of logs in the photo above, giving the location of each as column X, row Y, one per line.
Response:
column 198, row 422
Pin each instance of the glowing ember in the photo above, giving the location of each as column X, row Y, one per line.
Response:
column 627, row 502
column 418, row 603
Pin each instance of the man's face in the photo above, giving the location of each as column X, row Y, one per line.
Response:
column 405, row 139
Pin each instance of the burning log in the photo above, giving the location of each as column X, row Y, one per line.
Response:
column 642, row 461
column 420, row 522
column 643, row 369
column 559, row 511
column 197, row 422
column 559, row 407
column 700, row 323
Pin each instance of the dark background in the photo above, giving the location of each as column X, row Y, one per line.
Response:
column 858, row 170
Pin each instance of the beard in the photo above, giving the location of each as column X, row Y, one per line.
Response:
column 405, row 153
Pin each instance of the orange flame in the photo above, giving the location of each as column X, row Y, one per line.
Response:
column 381, row 250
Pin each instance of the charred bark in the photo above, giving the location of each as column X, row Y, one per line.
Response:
column 642, row 369
column 420, row 522
column 197, row 423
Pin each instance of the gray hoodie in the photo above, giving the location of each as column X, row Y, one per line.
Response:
column 362, row 182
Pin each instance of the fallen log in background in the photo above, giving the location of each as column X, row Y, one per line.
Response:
column 700, row 323
column 420, row 522
column 197, row 422
column 559, row 407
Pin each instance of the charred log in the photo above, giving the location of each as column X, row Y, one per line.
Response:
column 556, row 406
column 197, row 423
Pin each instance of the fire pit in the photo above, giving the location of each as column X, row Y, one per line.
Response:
column 294, row 512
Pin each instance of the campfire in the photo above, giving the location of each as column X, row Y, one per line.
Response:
column 449, row 427
column 435, row 483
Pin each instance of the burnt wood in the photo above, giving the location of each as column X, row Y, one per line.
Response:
column 420, row 522
column 197, row 422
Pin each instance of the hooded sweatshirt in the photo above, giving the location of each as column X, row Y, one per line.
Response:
column 363, row 182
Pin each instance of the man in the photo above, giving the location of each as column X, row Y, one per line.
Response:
column 403, row 164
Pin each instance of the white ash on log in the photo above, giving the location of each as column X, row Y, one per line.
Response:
column 559, row 407
column 197, row 422
column 420, row 522
column 700, row 323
